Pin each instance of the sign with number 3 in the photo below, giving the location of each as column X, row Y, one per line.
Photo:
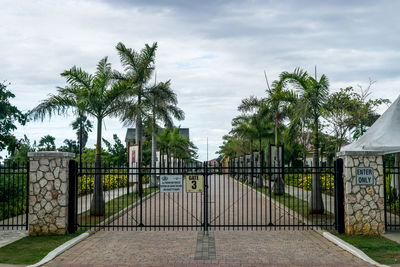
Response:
column 194, row 183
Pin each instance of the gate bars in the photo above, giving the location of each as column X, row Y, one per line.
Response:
column 238, row 196
column 14, row 196
column 391, row 174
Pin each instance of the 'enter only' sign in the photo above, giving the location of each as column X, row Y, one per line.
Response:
column 365, row 176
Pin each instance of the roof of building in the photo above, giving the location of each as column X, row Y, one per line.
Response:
column 131, row 133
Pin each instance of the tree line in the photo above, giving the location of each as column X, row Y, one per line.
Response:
column 301, row 112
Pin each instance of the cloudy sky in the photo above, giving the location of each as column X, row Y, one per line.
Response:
column 214, row 52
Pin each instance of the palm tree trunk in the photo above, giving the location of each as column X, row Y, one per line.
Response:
column 315, row 204
column 279, row 186
column 261, row 165
column 153, row 180
column 251, row 163
column 97, row 205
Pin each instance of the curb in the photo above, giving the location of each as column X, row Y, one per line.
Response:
column 70, row 243
column 54, row 253
column 350, row 248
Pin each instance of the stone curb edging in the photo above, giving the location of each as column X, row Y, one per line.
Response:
column 350, row 248
column 70, row 243
column 67, row 245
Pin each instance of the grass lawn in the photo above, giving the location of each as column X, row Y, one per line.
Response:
column 32, row 249
column 380, row 249
column 85, row 220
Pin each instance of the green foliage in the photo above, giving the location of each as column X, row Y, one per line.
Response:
column 86, row 128
column 9, row 116
column 19, row 154
column 303, row 181
column 176, row 145
column 12, row 195
column 117, row 152
column 69, row 146
column 47, row 143
column 110, row 182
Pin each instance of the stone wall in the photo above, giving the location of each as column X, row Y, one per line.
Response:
column 48, row 192
column 363, row 205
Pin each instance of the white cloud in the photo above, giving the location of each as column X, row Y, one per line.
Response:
column 214, row 52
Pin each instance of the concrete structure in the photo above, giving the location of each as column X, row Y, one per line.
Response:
column 48, row 192
column 364, row 210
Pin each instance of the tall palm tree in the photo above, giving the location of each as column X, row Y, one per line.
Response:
column 96, row 95
column 312, row 97
column 278, row 101
column 138, row 69
column 86, row 128
column 162, row 102
column 260, row 122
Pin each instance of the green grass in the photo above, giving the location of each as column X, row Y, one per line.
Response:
column 379, row 248
column 112, row 207
column 31, row 249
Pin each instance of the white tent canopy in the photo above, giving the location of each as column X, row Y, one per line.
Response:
column 383, row 135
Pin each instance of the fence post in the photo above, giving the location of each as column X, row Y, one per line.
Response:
column 205, row 197
column 339, row 196
column 72, row 200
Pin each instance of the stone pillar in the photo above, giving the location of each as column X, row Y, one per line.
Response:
column 48, row 192
column 363, row 204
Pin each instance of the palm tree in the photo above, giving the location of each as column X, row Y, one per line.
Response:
column 278, row 101
column 86, row 128
column 173, row 144
column 162, row 102
column 260, row 122
column 312, row 97
column 96, row 95
column 47, row 143
column 138, row 69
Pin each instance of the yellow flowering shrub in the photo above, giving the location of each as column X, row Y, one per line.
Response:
column 110, row 182
column 304, row 181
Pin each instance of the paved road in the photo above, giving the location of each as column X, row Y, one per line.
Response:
column 232, row 248
column 218, row 248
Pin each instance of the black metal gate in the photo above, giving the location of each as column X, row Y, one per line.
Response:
column 234, row 196
column 392, row 195
column 14, row 196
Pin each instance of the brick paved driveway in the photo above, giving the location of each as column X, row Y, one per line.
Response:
column 219, row 248
column 232, row 248
column 223, row 247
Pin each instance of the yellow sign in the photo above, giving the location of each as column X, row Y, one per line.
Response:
column 194, row 183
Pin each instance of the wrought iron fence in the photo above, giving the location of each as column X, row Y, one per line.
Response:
column 230, row 197
column 392, row 195
column 14, row 195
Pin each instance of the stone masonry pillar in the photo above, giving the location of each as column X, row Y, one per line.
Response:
column 48, row 192
column 363, row 204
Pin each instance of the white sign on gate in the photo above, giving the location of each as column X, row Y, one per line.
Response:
column 171, row 183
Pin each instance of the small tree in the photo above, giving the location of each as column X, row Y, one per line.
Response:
column 86, row 128
column 9, row 116
column 47, row 143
